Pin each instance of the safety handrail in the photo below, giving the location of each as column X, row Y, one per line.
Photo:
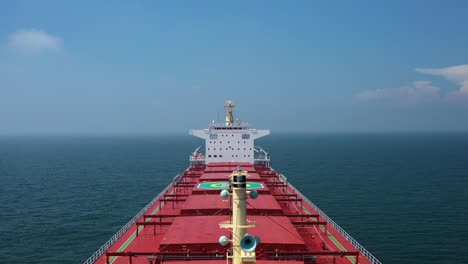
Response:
column 348, row 237
column 124, row 228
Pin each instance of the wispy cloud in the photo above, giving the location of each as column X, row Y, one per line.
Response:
column 457, row 74
column 33, row 40
column 419, row 91
column 424, row 91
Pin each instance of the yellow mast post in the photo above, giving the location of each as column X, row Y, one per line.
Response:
column 239, row 212
column 243, row 244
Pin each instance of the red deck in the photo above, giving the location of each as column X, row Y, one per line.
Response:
column 228, row 168
column 183, row 225
column 211, row 204
column 222, row 176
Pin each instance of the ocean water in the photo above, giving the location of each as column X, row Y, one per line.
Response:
column 402, row 196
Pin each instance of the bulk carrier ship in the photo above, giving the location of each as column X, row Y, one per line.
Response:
column 230, row 206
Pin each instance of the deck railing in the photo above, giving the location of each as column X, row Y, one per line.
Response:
column 338, row 228
column 124, row 228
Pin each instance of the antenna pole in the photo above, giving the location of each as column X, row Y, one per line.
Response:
column 229, row 117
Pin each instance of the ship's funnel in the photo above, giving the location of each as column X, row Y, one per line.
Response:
column 248, row 243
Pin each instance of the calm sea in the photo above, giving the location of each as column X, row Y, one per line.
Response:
column 403, row 196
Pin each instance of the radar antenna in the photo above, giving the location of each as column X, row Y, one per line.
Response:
column 229, row 117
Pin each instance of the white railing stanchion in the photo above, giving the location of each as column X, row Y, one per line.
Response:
column 124, row 228
column 338, row 228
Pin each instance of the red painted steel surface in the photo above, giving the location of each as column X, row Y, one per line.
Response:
column 217, row 261
column 212, row 204
column 185, row 225
column 194, row 232
column 228, row 168
column 223, row 176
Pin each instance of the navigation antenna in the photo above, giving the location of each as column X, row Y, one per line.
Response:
column 229, row 118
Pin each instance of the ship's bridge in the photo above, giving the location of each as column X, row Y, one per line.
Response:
column 230, row 141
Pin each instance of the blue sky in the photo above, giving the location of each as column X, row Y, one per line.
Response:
column 292, row 66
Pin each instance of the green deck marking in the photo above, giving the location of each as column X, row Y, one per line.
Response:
column 225, row 185
column 130, row 239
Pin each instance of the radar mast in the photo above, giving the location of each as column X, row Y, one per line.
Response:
column 229, row 118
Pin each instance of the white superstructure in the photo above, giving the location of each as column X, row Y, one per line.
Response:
column 232, row 141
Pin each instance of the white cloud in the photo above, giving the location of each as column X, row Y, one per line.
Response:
column 424, row 91
column 457, row 74
column 33, row 40
column 417, row 92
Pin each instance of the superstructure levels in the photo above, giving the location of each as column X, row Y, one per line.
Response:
column 229, row 142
